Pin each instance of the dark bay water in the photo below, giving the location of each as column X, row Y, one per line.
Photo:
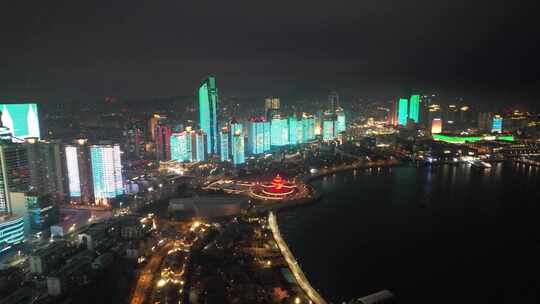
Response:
column 430, row 235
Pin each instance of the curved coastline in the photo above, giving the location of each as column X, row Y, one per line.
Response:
column 293, row 264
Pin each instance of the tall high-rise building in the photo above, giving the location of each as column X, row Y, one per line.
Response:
column 46, row 167
column 436, row 126
column 188, row 146
column 225, row 149
column 414, row 108
column 293, row 126
column 272, row 106
column 497, row 124
column 94, row 173
column 237, row 143
column 485, row 120
column 340, row 121
column 163, row 135
column 329, row 127
column 152, row 124
column 134, row 144
column 106, row 173
column 308, row 127
column 279, row 129
column 21, row 119
column 333, row 101
column 208, row 113
column 403, row 111
column 258, row 136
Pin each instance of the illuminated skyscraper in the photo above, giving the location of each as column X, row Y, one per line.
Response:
column 333, row 100
column 436, row 126
column 258, row 136
column 106, row 172
column 163, row 135
column 308, row 127
column 21, row 119
column 46, row 167
column 340, row 121
column 414, row 108
column 485, row 121
column 224, row 137
column 279, row 131
column 237, row 143
column 188, row 146
column 79, row 172
column 403, row 109
column 94, row 173
column 293, row 126
column 208, row 117
column 497, row 124
column 328, row 127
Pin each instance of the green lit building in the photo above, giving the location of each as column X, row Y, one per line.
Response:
column 414, row 108
column 403, row 109
column 208, row 116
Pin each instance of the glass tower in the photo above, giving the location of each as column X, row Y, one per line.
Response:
column 279, row 131
column 21, row 119
column 237, row 144
column 496, row 126
column 414, row 108
column 340, row 121
column 106, row 172
column 224, row 147
column 208, row 107
column 402, row 111
column 293, row 138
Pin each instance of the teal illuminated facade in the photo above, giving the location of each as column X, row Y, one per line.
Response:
column 414, row 108
column 188, row 146
column 224, row 137
column 328, row 128
column 106, row 172
column 258, row 136
column 403, row 111
column 496, row 126
column 21, row 119
column 279, row 131
column 308, row 128
column 208, row 107
column 293, row 125
column 340, row 121
column 11, row 231
column 237, row 144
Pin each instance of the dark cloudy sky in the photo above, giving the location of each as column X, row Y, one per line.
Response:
column 53, row 48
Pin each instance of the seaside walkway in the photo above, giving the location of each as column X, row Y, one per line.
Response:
column 297, row 272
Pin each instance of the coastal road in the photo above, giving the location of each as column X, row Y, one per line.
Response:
column 293, row 264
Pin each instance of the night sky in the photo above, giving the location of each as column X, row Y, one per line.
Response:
column 70, row 49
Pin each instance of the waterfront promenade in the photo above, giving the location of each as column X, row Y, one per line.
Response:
column 297, row 272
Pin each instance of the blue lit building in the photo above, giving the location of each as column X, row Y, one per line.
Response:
column 328, row 128
column 224, row 137
column 340, row 121
column 496, row 126
column 237, row 144
column 21, row 119
column 279, row 129
column 106, row 172
column 11, row 231
column 188, row 146
column 293, row 129
column 403, row 111
column 42, row 212
column 308, row 127
column 259, row 136
column 208, row 117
